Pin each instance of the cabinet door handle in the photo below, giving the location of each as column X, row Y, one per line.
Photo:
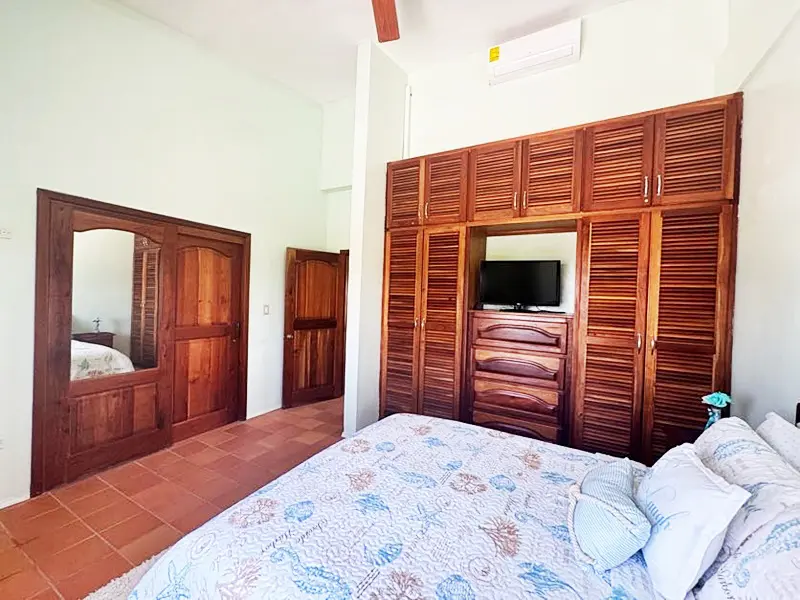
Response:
column 416, row 322
column 516, row 204
column 647, row 189
column 638, row 342
column 659, row 185
column 653, row 343
column 525, row 199
column 426, row 209
column 423, row 323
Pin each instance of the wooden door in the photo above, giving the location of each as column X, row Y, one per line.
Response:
column 551, row 173
column 494, row 181
column 446, row 188
column 610, row 357
column 313, row 310
column 401, row 308
column 404, row 193
column 696, row 152
column 207, row 335
column 619, row 164
column 689, row 320
column 441, row 328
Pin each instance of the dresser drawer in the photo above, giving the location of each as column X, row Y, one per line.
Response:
column 515, row 399
column 542, row 431
column 544, row 370
column 542, row 334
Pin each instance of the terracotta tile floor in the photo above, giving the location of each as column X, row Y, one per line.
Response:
column 75, row 539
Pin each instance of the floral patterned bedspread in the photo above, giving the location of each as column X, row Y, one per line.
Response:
column 93, row 360
column 411, row 508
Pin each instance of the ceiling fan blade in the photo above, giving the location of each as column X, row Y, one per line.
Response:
column 386, row 20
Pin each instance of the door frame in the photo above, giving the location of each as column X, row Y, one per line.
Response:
column 290, row 294
column 53, row 309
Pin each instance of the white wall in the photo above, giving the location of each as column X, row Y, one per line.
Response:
column 378, row 139
column 638, row 55
column 337, row 226
column 541, row 246
column 102, row 283
column 766, row 332
column 752, row 31
column 338, row 119
column 99, row 102
column 336, row 170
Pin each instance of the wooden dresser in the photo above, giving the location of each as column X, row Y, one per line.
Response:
column 101, row 338
column 519, row 372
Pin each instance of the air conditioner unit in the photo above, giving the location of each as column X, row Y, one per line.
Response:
column 540, row 51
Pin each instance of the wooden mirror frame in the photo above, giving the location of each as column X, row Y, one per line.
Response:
column 58, row 217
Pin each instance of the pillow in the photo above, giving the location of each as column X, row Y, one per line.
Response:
column 783, row 437
column 605, row 525
column 765, row 566
column 689, row 508
column 734, row 451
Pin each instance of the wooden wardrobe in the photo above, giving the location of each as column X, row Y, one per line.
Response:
column 652, row 198
column 188, row 340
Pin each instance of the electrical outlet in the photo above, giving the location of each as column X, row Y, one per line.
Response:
column 266, row 309
column 5, row 234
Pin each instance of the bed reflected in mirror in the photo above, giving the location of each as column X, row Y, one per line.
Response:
column 115, row 290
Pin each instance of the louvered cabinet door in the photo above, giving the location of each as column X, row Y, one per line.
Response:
column 404, row 193
column 494, row 181
column 551, row 173
column 619, row 164
column 696, row 153
column 689, row 319
column 400, row 322
column 440, row 345
column 446, row 188
column 610, row 356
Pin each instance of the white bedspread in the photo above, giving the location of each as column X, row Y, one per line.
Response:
column 93, row 360
column 412, row 508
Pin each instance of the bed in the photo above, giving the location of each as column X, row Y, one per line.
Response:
column 92, row 360
column 411, row 508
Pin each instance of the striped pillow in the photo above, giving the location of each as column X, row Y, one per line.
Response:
column 606, row 526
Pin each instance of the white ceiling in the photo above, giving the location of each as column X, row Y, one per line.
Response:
column 310, row 45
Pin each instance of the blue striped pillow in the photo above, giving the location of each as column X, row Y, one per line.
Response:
column 606, row 526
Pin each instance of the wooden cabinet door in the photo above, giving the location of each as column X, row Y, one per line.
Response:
column 689, row 319
column 446, row 188
column 207, row 335
column 404, row 193
column 610, row 357
column 494, row 181
column 401, row 308
column 440, row 345
column 696, row 153
column 619, row 164
column 551, row 173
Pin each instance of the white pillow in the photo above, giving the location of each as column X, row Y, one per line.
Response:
column 783, row 437
column 733, row 450
column 689, row 508
column 765, row 566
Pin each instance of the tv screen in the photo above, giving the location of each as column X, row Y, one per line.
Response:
column 520, row 282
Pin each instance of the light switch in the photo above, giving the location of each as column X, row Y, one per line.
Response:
column 5, row 234
column 266, row 309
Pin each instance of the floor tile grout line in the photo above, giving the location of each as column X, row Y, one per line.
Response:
column 36, row 567
column 144, row 508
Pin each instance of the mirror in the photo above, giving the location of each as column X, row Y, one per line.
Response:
column 115, row 293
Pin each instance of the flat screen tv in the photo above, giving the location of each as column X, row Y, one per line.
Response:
column 520, row 283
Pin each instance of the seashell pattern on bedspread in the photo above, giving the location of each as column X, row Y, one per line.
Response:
column 411, row 508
